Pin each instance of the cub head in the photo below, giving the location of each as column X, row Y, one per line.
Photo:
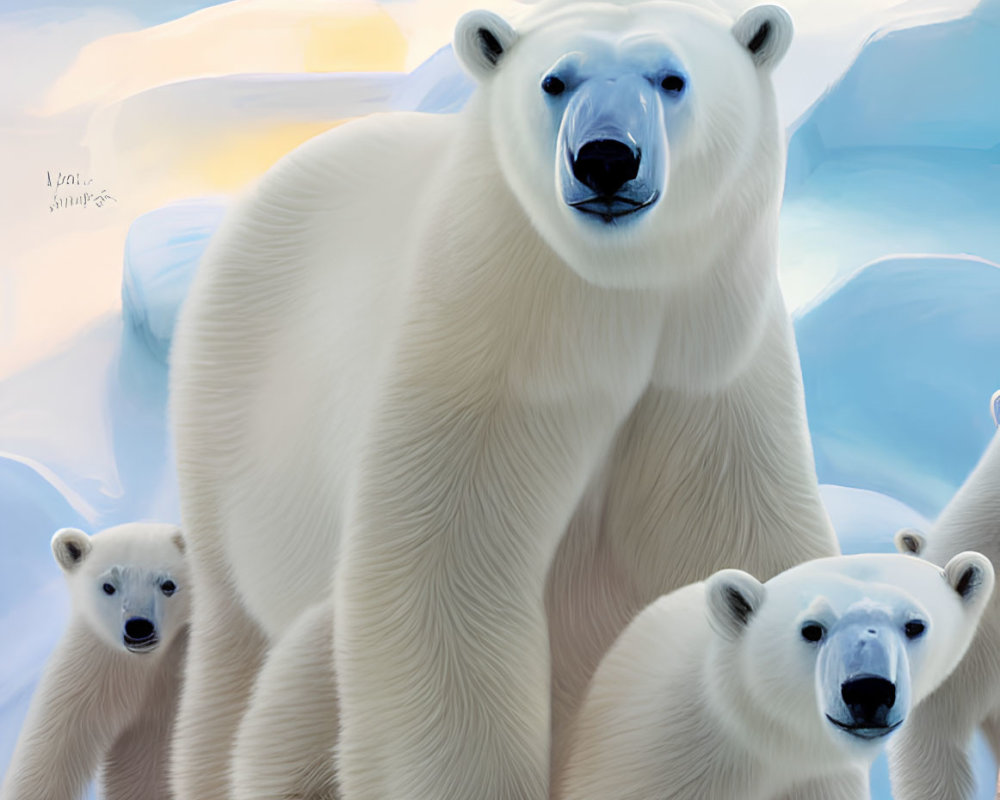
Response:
column 128, row 583
column 840, row 649
column 633, row 133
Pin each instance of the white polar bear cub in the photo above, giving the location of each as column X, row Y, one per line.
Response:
column 930, row 759
column 491, row 382
column 109, row 693
column 736, row 689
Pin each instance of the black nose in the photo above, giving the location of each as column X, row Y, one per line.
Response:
column 605, row 165
column 139, row 629
column 869, row 699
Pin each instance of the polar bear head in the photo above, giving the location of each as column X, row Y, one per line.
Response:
column 634, row 134
column 840, row 649
column 127, row 583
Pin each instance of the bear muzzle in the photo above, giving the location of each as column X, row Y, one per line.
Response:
column 140, row 635
column 868, row 699
column 612, row 149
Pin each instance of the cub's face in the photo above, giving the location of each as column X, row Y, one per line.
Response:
column 620, row 126
column 840, row 649
column 128, row 583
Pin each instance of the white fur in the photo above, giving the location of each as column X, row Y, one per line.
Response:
column 407, row 371
column 681, row 709
column 930, row 761
column 285, row 744
column 99, row 705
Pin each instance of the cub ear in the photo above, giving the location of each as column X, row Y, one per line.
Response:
column 971, row 576
column 766, row 32
column 482, row 40
column 177, row 537
column 733, row 598
column 909, row 541
column 70, row 547
column 995, row 407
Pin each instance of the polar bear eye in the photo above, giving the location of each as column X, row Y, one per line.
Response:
column 108, row 589
column 812, row 631
column 552, row 85
column 673, row 83
column 168, row 588
column 914, row 628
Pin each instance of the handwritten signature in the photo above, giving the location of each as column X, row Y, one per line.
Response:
column 68, row 190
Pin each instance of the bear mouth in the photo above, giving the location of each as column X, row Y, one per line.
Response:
column 614, row 207
column 867, row 732
column 141, row 645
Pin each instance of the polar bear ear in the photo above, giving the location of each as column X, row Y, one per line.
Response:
column 70, row 547
column 971, row 576
column 766, row 32
column 734, row 596
column 995, row 407
column 178, row 540
column 909, row 541
column 482, row 40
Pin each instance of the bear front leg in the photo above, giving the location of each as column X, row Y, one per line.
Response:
column 83, row 700
column 284, row 748
column 225, row 650
column 441, row 641
column 136, row 765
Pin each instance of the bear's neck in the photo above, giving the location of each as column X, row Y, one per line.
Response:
column 715, row 323
column 697, row 334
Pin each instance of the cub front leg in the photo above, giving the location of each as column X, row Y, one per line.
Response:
column 136, row 765
column 441, row 640
column 86, row 696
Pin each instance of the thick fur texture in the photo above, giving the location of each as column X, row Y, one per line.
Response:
column 715, row 691
column 495, row 426
column 930, row 759
column 286, row 741
column 100, row 706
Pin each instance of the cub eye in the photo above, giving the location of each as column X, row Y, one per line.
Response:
column 108, row 588
column 168, row 588
column 552, row 85
column 812, row 631
column 673, row 84
column 914, row 628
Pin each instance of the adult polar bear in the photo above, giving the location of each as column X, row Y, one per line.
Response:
column 501, row 378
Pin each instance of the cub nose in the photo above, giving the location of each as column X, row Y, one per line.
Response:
column 139, row 629
column 605, row 165
column 869, row 699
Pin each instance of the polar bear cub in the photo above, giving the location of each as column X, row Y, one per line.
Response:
column 108, row 695
column 788, row 689
column 930, row 760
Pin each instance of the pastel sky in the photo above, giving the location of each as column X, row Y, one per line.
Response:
column 82, row 68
